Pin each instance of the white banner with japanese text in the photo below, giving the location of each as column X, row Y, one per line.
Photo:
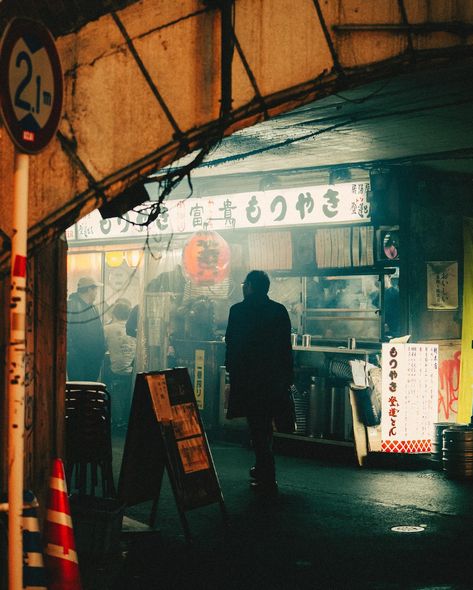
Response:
column 409, row 397
column 340, row 203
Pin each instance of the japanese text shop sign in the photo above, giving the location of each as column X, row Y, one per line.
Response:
column 409, row 397
column 341, row 203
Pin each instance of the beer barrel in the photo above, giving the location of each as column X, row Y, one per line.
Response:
column 457, row 452
column 301, row 406
column 439, row 427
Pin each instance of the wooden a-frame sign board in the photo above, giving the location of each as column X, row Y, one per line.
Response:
column 165, row 431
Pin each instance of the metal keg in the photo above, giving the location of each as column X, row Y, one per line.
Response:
column 301, row 405
column 439, row 427
column 457, row 451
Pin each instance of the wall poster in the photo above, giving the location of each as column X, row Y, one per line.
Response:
column 442, row 285
column 409, row 397
column 449, row 380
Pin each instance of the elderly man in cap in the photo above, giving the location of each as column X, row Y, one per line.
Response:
column 85, row 333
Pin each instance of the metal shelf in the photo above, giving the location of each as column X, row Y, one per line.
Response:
column 347, row 271
column 374, row 310
column 363, row 351
column 341, row 317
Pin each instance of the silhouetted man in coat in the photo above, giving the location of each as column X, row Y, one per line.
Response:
column 85, row 334
column 259, row 362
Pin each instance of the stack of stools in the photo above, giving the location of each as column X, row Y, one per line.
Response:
column 88, row 438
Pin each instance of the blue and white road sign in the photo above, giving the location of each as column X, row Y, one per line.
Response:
column 31, row 88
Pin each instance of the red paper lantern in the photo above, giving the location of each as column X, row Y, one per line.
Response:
column 206, row 258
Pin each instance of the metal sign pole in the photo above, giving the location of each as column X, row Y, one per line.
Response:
column 31, row 93
column 16, row 371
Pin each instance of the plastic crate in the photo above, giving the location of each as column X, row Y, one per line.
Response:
column 97, row 524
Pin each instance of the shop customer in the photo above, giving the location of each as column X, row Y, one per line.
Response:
column 259, row 362
column 85, row 335
column 121, row 348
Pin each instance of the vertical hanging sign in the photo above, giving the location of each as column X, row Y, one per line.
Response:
column 199, row 377
column 409, row 397
column 31, row 93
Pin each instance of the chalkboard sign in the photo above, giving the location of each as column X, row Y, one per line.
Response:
column 165, row 431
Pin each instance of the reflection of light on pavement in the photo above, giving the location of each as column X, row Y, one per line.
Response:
column 408, row 529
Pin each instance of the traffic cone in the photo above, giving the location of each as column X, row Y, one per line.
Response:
column 61, row 555
column 34, row 572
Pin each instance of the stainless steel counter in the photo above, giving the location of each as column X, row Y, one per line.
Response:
column 337, row 350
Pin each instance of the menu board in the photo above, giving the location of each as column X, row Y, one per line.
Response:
column 409, row 397
column 165, row 431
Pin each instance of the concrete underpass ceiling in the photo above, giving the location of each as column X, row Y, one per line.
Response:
column 60, row 16
column 423, row 117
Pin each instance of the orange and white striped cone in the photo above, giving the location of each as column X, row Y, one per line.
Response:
column 61, row 555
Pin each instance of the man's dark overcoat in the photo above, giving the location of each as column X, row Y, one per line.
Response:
column 85, row 340
column 258, row 355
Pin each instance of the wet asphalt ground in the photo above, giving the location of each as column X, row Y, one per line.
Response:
column 330, row 527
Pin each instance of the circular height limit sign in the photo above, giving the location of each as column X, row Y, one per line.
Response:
column 30, row 85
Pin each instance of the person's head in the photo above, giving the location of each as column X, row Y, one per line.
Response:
column 124, row 300
column 87, row 288
column 121, row 311
column 256, row 283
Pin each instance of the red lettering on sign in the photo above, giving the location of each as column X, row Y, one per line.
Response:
column 449, row 381
column 19, row 268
